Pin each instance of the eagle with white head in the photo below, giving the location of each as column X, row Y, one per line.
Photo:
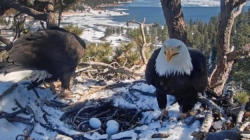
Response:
column 177, row 70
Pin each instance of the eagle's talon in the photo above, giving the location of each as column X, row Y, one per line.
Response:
column 65, row 93
column 164, row 114
column 173, row 119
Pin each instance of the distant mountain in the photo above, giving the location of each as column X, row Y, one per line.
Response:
column 185, row 3
column 202, row 3
column 104, row 3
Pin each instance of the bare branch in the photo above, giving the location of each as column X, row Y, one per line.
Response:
column 49, row 16
column 207, row 123
column 211, row 104
column 112, row 69
column 5, row 41
column 239, row 2
column 239, row 9
column 144, row 42
column 244, row 52
column 29, row 11
column 240, row 116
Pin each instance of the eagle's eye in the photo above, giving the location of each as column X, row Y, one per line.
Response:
column 179, row 47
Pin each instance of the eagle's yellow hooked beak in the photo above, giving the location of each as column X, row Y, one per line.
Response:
column 171, row 52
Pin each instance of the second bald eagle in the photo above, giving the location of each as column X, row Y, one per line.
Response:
column 46, row 55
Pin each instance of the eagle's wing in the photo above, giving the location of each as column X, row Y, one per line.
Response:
column 51, row 49
column 21, row 55
column 23, row 49
column 199, row 73
column 150, row 72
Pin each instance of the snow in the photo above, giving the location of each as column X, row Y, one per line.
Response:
column 177, row 129
column 9, row 130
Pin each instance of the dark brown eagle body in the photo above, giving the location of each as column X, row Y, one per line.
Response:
column 53, row 50
column 184, row 87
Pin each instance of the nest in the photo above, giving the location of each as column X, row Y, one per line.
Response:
column 79, row 118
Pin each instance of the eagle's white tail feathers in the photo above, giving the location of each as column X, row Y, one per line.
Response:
column 32, row 75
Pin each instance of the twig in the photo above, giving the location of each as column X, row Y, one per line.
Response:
column 93, row 91
column 131, row 90
column 101, row 113
column 82, row 69
column 8, row 115
column 116, row 85
column 133, row 117
column 80, row 124
column 55, row 103
column 122, row 70
column 126, row 60
column 91, row 131
column 86, row 107
column 107, row 118
column 9, row 90
column 34, row 90
column 19, row 119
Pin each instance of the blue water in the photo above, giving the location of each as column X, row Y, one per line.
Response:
column 155, row 14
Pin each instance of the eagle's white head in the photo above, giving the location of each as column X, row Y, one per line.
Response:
column 173, row 58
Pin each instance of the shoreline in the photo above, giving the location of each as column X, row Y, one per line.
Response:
column 95, row 23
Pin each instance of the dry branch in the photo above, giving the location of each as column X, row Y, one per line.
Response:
column 239, row 53
column 9, row 90
column 8, row 115
column 6, row 41
column 207, row 123
column 29, row 11
column 104, row 87
column 239, row 9
column 112, row 69
column 224, row 55
column 48, row 17
column 211, row 104
column 240, row 115
column 142, row 25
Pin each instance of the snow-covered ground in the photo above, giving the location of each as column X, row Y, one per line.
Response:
column 94, row 23
column 178, row 130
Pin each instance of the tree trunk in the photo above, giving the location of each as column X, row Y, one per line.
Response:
column 173, row 14
column 226, row 20
column 51, row 16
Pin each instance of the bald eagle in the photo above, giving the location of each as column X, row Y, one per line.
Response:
column 177, row 70
column 43, row 56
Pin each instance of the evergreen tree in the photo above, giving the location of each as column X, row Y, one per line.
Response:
column 108, row 32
